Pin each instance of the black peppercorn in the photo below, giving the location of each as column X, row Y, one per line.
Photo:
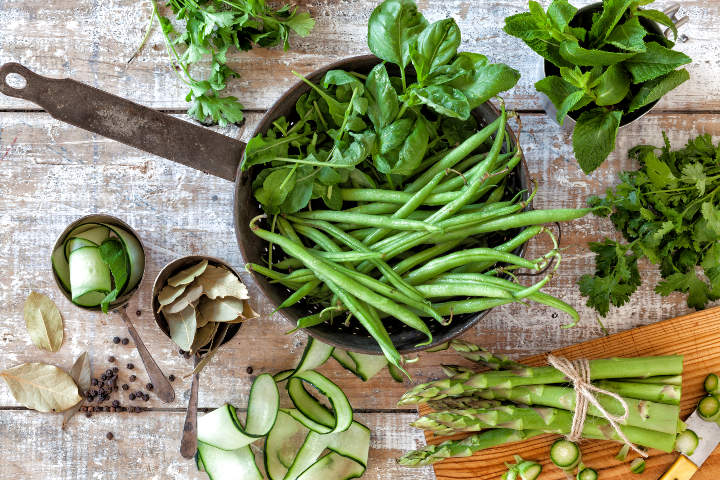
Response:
column 109, row 436
column 132, row 378
column 130, row 366
column 111, row 359
column 116, row 403
column 88, row 414
column 146, row 397
column 115, row 369
column 149, row 386
column 171, row 377
column 125, row 341
column 125, row 386
column 131, row 396
column 138, row 313
column 249, row 370
column 94, row 381
column 116, row 340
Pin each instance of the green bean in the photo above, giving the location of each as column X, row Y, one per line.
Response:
column 410, row 206
column 352, row 257
column 327, row 274
column 275, row 277
column 429, row 161
column 371, row 322
column 287, row 230
column 360, row 233
column 287, row 263
column 518, row 220
column 390, row 292
column 457, row 290
column 472, row 305
column 355, row 244
column 457, row 154
column 393, row 196
column 424, row 256
column 374, row 208
column 455, row 183
column 322, row 240
column 299, row 294
column 538, row 297
column 442, row 264
column 368, row 220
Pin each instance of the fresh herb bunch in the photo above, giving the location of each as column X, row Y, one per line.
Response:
column 669, row 212
column 609, row 65
column 212, row 27
column 387, row 123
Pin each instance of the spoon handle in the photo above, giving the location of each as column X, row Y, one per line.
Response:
column 163, row 389
column 188, row 444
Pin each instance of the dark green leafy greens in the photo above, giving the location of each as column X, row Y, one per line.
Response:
column 211, row 29
column 668, row 212
column 115, row 257
column 362, row 131
column 609, row 65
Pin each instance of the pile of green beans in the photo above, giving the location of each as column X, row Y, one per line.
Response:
column 419, row 250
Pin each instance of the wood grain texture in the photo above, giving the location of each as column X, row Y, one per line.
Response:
column 91, row 41
column 695, row 336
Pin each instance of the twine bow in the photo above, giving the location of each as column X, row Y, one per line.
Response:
column 578, row 372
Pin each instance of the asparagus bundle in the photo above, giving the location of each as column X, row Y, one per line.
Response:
column 535, row 400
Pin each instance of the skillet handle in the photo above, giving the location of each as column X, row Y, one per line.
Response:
column 141, row 127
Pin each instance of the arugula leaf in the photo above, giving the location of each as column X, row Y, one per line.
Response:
column 392, row 27
column 654, row 62
column 594, row 137
column 655, row 89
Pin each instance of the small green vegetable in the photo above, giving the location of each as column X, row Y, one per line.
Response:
column 668, row 212
column 686, row 442
column 522, row 470
column 709, row 408
column 565, row 454
column 606, row 65
column 587, row 474
column 712, row 384
column 637, row 466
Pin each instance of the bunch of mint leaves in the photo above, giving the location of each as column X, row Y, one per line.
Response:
column 669, row 212
column 377, row 130
column 212, row 28
column 610, row 66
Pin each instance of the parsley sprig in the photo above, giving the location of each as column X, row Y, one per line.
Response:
column 211, row 29
column 669, row 212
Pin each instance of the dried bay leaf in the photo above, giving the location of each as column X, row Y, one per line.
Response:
column 183, row 326
column 201, row 321
column 192, row 293
column 43, row 321
column 188, row 275
column 221, row 282
column 224, row 309
column 248, row 312
column 204, row 336
column 42, row 387
column 217, row 342
column 169, row 294
column 81, row 373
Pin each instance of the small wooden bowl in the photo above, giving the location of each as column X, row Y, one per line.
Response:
column 171, row 269
column 97, row 218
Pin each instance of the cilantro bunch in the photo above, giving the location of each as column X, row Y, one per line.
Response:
column 669, row 212
column 212, row 28
column 609, row 66
column 377, row 129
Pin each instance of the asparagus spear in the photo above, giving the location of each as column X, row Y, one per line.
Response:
column 660, row 379
column 454, row 403
column 481, row 355
column 599, row 369
column 641, row 413
column 465, row 447
column 550, row 420
column 457, row 372
column 669, row 394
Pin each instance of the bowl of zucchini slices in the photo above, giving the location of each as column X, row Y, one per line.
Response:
column 98, row 262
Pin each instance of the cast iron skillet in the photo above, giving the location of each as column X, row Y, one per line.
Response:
column 197, row 147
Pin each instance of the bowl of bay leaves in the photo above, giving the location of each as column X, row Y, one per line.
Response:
column 200, row 303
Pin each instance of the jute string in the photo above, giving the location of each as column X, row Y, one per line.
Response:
column 578, row 372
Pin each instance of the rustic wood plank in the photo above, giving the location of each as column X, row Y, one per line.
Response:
column 90, row 41
column 695, row 336
column 146, row 446
column 54, row 173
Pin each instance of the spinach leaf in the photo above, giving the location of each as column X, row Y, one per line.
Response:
column 395, row 134
column 392, row 27
column 112, row 252
column 485, row 81
column 436, row 45
column 445, row 100
column 383, row 103
column 594, row 137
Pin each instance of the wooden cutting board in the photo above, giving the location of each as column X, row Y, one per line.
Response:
column 696, row 336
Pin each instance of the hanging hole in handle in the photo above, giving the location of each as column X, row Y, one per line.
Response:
column 15, row 81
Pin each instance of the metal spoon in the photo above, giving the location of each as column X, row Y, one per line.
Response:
column 163, row 389
column 188, row 443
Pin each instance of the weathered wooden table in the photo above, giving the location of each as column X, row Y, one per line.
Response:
column 51, row 173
